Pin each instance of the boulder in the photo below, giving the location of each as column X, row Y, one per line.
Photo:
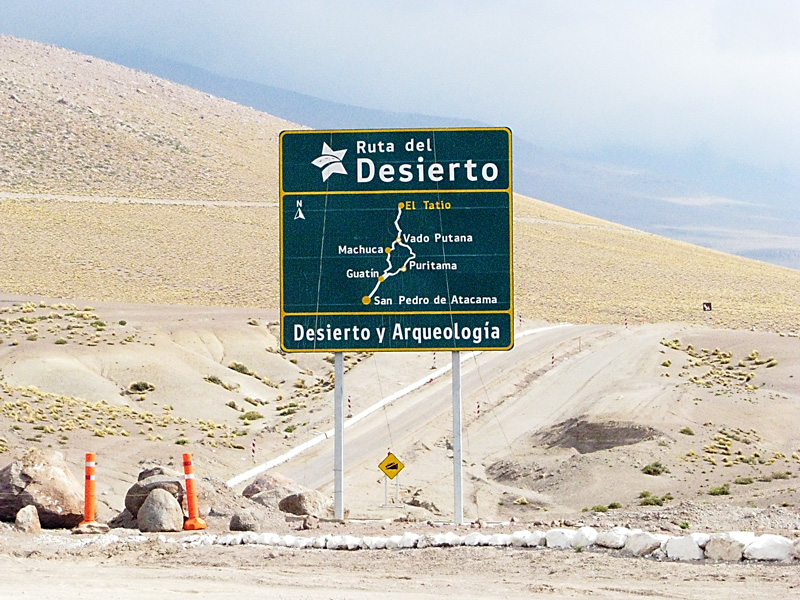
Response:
column 309, row 502
column 124, row 520
column 215, row 498
column 160, row 512
column 272, row 481
column 684, row 548
column 149, row 480
column 527, row 538
column 642, row 543
column 770, row 547
column 271, row 498
column 584, row 537
column 41, row 478
column 247, row 519
column 726, row 546
column 613, row 538
column 559, row 538
column 27, row 520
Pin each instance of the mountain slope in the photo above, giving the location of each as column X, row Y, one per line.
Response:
column 74, row 124
column 85, row 146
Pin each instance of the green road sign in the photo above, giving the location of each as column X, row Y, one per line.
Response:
column 396, row 240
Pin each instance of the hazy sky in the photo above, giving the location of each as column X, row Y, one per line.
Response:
column 718, row 76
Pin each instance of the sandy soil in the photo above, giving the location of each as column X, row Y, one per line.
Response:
column 156, row 569
column 534, row 439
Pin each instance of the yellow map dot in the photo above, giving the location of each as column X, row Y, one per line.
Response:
column 366, row 300
column 388, row 250
column 381, row 279
column 403, row 269
column 400, row 204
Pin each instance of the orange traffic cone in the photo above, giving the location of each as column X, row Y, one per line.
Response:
column 194, row 521
column 89, row 491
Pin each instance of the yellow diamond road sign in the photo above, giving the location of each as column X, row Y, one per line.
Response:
column 391, row 466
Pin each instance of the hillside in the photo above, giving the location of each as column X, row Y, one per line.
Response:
column 119, row 186
column 78, row 125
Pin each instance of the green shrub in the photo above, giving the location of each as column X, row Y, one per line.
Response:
column 240, row 368
column 251, row 415
column 743, row 480
column 686, row 431
column 140, row 387
column 723, row 490
column 651, row 501
column 614, row 506
column 600, row 508
column 655, row 468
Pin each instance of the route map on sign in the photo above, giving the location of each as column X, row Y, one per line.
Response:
column 392, row 270
column 371, row 259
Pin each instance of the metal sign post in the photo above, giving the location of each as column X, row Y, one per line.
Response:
column 458, row 503
column 338, row 443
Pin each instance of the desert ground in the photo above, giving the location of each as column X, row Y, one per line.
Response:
column 568, row 421
column 139, row 320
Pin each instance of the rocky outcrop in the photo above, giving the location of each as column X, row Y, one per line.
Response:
column 41, row 478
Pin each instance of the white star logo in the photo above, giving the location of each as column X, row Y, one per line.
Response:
column 330, row 161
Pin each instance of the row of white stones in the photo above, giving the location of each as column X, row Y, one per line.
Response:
column 731, row 546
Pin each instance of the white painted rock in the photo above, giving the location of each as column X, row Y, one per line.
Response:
column 393, row 542
column 249, row 537
column 770, row 547
column 559, row 538
column 614, row 538
column 447, row 539
column 499, row 539
column 643, row 543
column 585, row 537
column 332, row 542
column 527, row 539
column 684, row 548
column 475, row 539
column 268, row 539
column 351, row 542
column 408, row 540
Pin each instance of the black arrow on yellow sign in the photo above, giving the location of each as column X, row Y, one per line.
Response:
column 391, row 466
